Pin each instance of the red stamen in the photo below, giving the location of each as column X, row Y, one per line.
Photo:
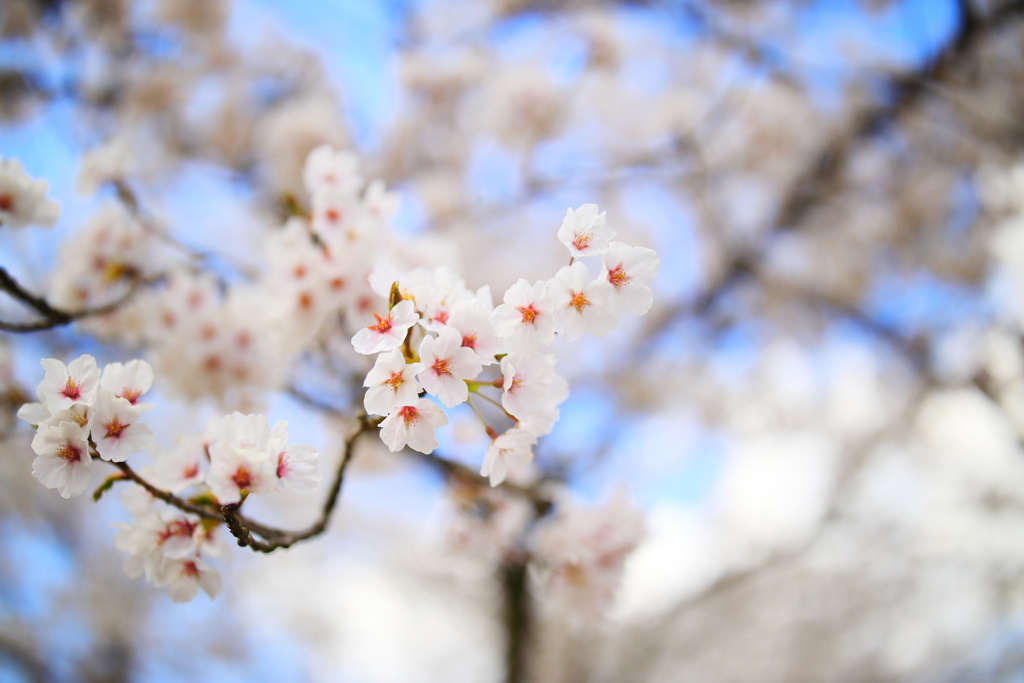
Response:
column 409, row 414
column 383, row 324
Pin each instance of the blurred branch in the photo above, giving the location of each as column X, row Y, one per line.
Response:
column 22, row 656
column 517, row 617
column 542, row 503
column 53, row 317
column 822, row 176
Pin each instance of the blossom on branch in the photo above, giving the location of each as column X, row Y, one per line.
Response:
column 413, row 426
column 23, row 200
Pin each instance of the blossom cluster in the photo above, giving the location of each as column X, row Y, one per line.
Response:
column 84, row 413
column 23, row 200
column 438, row 336
column 581, row 551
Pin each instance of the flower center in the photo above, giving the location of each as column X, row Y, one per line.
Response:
column 618, row 277
column 579, row 301
column 529, row 314
column 131, row 395
column 282, row 465
column 441, row 317
column 69, row 452
column 442, row 366
column 409, row 414
column 582, row 239
column 179, row 527
column 6, row 202
column 242, row 478
column 71, row 388
column 114, row 428
column 395, row 381
column 383, row 324
column 469, row 341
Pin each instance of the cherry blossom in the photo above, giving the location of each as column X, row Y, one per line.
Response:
column 446, row 366
column 181, row 467
column 66, row 385
column 531, row 385
column 128, row 381
column 582, row 550
column 23, row 200
column 581, row 304
column 584, row 233
column 391, row 383
column 115, row 428
column 627, row 270
column 329, row 169
column 156, row 535
column 184, row 577
column 388, row 332
column 472, row 321
column 511, row 450
column 413, row 426
column 526, row 318
column 295, row 465
column 62, row 458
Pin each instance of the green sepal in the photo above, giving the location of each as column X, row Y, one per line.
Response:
column 394, row 296
column 107, row 483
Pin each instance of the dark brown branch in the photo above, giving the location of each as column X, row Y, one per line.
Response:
column 203, row 511
column 517, row 618
column 244, row 529
column 53, row 317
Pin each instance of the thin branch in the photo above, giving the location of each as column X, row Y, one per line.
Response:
column 243, row 528
column 542, row 502
column 53, row 317
column 824, row 171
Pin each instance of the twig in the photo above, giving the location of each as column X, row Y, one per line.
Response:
column 243, row 528
column 542, row 503
column 53, row 317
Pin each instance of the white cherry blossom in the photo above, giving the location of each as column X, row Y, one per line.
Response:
column 526, row 318
column 391, row 383
column 23, row 200
column 531, row 385
column 66, row 385
column 624, row 276
column 128, row 381
column 115, row 428
column 472, row 321
column 511, row 450
column 581, row 304
column 584, row 233
column 329, row 169
column 446, row 366
column 178, row 469
column 295, row 465
column 62, row 458
column 413, row 426
column 388, row 332
column 184, row 577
